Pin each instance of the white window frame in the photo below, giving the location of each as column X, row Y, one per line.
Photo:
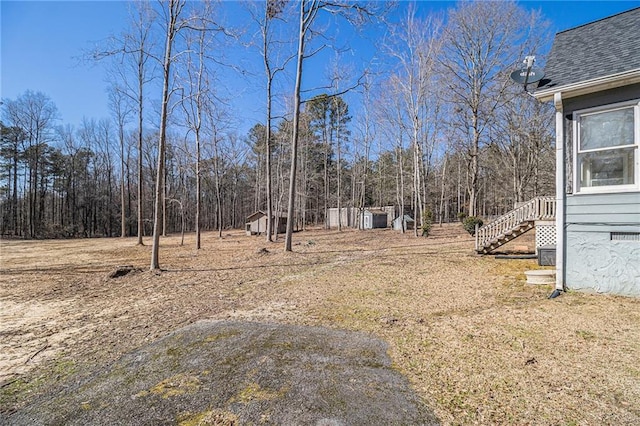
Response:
column 636, row 149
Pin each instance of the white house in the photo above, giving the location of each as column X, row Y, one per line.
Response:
column 593, row 78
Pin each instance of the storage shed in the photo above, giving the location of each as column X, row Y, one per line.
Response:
column 256, row 223
column 408, row 221
column 593, row 78
column 375, row 218
column 348, row 216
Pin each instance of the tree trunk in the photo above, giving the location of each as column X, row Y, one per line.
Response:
column 442, row 187
column 270, row 217
column 14, row 206
column 216, row 165
column 123, row 217
column 296, row 126
column 198, row 192
column 163, row 194
column 325, row 138
column 417, row 199
column 174, row 10
column 474, row 167
column 338, row 172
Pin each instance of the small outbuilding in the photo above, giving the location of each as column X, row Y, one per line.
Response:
column 375, row 218
column 347, row 217
column 404, row 221
column 355, row 217
column 257, row 223
column 593, row 79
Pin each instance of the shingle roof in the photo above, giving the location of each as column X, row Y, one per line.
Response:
column 598, row 49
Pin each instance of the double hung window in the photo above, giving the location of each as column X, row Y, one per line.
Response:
column 606, row 148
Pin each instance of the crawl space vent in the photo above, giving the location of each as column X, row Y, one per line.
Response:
column 625, row 236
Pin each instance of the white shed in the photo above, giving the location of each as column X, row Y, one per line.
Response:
column 405, row 220
column 257, row 223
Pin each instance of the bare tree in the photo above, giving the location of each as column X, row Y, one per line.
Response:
column 416, row 44
column 139, row 47
column 217, row 166
column 308, row 12
column 482, row 43
column 390, row 114
column 272, row 10
column 173, row 26
column 217, row 162
column 520, row 141
column 130, row 72
column 195, row 104
column 309, row 9
column 362, row 158
column 121, row 109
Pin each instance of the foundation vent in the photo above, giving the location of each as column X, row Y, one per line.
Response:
column 625, row 236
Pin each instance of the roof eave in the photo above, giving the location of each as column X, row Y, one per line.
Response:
column 590, row 86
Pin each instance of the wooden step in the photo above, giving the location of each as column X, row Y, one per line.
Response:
column 505, row 238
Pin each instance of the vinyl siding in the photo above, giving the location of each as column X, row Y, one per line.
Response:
column 606, row 210
column 612, row 96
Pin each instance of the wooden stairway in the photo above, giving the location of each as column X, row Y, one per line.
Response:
column 515, row 223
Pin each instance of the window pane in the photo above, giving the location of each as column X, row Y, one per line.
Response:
column 604, row 129
column 603, row 168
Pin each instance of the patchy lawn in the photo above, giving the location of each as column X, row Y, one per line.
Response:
column 476, row 342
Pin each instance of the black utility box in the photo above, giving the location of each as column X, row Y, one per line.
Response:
column 547, row 256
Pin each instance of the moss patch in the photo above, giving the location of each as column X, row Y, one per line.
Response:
column 179, row 384
column 208, row 418
column 254, row 392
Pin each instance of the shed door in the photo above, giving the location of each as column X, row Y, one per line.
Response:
column 367, row 222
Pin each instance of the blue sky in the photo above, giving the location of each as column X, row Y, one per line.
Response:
column 42, row 43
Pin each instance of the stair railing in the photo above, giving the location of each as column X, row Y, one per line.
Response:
column 539, row 208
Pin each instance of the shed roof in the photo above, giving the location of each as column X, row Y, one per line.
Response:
column 260, row 213
column 377, row 211
column 255, row 215
column 598, row 49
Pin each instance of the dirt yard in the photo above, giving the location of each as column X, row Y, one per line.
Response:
column 478, row 344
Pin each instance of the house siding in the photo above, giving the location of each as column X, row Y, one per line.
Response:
column 611, row 96
column 612, row 209
column 593, row 261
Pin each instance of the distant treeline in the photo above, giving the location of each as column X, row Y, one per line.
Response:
column 443, row 129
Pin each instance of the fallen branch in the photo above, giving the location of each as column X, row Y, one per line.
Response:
column 37, row 352
column 8, row 382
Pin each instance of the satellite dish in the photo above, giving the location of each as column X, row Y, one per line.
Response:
column 527, row 75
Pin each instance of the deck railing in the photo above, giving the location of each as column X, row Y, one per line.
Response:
column 540, row 208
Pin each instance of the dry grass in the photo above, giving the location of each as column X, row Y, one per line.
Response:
column 479, row 345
